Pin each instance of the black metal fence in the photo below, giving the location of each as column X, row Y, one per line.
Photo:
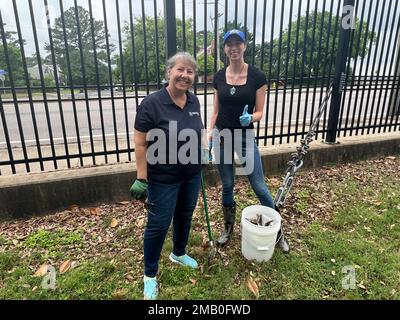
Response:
column 72, row 72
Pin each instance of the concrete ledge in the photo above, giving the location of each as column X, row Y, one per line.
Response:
column 41, row 193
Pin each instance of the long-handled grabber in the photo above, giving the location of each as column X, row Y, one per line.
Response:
column 213, row 250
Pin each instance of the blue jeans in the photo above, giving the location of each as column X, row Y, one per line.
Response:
column 166, row 202
column 245, row 149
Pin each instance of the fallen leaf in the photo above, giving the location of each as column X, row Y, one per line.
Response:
column 129, row 277
column 361, row 285
column 140, row 223
column 34, row 288
column 95, row 211
column 114, row 223
column 193, row 281
column 42, row 271
column 253, row 287
column 73, row 207
column 333, row 272
column 391, row 158
column 333, row 260
column 123, row 203
column 119, row 294
column 15, row 242
column 368, row 229
column 65, row 266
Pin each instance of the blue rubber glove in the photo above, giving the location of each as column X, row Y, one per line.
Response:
column 245, row 118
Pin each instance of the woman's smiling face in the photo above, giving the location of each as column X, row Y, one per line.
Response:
column 181, row 75
column 234, row 48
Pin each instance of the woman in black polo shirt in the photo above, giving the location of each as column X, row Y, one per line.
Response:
column 239, row 98
column 168, row 150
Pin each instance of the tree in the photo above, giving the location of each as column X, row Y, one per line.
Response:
column 87, row 46
column 15, row 57
column 311, row 64
column 153, row 71
column 200, row 64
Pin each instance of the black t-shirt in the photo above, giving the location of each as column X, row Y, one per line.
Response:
column 231, row 105
column 158, row 111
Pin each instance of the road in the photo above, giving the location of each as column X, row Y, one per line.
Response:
column 275, row 111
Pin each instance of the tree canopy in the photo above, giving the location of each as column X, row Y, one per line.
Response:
column 71, row 31
column 150, row 56
column 15, row 57
column 320, row 47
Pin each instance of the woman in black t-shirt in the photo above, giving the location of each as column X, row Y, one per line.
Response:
column 169, row 178
column 239, row 97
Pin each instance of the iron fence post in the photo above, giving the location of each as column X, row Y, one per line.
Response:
column 394, row 107
column 170, row 27
column 340, row 74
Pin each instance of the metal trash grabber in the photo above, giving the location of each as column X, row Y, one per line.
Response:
column 297, row 158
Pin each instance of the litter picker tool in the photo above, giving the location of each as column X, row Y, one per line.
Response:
column 297, row 158
column 213, row 252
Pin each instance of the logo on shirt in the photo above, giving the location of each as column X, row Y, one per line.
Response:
column 192, row 114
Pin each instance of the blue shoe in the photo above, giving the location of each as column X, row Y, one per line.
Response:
column 150, row 291
column 184, row 260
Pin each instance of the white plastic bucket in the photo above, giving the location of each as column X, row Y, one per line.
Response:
column 258, row 242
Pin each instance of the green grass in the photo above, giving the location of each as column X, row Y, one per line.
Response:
column 301, row 203
column 47, row 239
column 360, row 231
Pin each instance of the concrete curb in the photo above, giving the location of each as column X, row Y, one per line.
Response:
column 42, row 193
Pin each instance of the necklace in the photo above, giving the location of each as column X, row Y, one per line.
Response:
column 232, row 91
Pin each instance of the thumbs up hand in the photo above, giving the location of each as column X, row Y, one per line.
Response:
column 245, row 118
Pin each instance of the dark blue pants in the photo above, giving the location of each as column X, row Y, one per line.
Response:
column 174, row 201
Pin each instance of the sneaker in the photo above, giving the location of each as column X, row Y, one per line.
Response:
column 184, row 260
column 150, row 291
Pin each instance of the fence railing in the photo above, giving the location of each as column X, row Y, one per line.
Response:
column 72, row 72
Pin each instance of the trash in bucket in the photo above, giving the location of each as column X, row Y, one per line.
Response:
column 258, row 239
column 261, row 220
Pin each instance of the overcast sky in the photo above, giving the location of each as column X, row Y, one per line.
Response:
column 6, row 7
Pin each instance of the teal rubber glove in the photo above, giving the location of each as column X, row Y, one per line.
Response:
column 245, row 118
column 138, row 189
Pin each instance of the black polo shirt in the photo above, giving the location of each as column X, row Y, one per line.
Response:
column 158, row 111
